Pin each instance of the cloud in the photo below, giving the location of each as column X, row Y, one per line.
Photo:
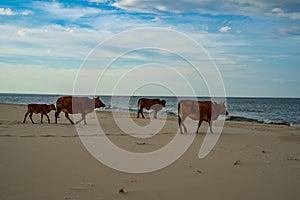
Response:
column 21, row 32
column 7, row 11
column 26, row 12
column 233, row 7
column 58, row 10
column 294, row 30
column 280, row 80
column 224, row 29
column 10, row 12
column 62, row 41
column 279, row 12
column 96, row 1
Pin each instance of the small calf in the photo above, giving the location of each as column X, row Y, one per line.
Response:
column 154, row 104
column 44, row 109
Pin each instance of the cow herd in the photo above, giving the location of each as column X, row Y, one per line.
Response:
column 197, row 110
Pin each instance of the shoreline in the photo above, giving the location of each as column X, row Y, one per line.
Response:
column 228, row 119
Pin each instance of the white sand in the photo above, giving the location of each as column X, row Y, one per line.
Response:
column 48, row 161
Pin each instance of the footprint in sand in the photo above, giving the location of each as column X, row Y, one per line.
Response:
column 47, row 135
column 6, row 135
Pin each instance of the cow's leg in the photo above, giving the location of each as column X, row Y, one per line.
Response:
column 30, row 116
column 142, row 113
column 67, row 116
column 48, row 118
column 42, row 118
column 185, row 129
column 84, row 121
column 26, row 114
column 155, row 114
column 57, row 115
column 181, row 124
column 82, row 118
column 210, row 126
column 199, row 124
column 179, row 118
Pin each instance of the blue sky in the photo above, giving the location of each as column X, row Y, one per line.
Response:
column 255, row 44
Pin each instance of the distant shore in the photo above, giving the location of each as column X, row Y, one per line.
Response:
column 48, row 161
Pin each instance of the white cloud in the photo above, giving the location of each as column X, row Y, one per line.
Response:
column 236, row 7
column 6, row 11
column 62, row 41
column 157, row 19
column 9, row 12
column 70, row 30
column 281, row 80
column 48, row 51
column 224, row 29
column 294, row 30
column 97, row 1
column 58, row 10
column 26, row 12
column 279, row 12
column 21, row 32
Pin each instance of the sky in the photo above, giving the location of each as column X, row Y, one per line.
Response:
column 254, row 44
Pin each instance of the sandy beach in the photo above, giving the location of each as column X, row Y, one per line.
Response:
column 48, row 161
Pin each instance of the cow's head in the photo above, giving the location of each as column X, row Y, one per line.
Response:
column 52, row 107
column 163, row 103
column 220, row 108
column 98, row 103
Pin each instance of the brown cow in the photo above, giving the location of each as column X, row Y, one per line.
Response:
column 75, row 105
column 44, row 109
column 199, row 110
column 155, row 104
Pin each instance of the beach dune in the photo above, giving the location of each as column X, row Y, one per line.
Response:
column 48, row 161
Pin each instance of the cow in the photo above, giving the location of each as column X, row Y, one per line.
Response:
column 44, row 109
column 75, row 105
column 154, row 104
column 199, row 110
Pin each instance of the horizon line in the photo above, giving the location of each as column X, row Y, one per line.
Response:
column 201, row 96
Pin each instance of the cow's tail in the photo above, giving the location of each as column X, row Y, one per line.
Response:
column 178, row 114
column 139, row 103
column 138, row 114
column 59, row 104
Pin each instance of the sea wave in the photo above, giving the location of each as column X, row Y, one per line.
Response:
column 229, row 118
column 264, row 121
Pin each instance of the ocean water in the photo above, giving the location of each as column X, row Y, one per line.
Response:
column 263, row 110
